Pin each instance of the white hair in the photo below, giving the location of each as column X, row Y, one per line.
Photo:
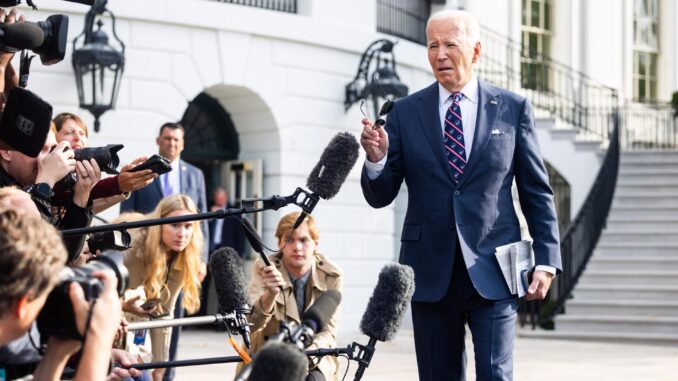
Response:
column 463, row 19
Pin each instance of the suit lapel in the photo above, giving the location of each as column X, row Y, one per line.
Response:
column 489, row 105
column 430, row 123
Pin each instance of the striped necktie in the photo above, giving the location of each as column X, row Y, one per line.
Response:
column 453, row 138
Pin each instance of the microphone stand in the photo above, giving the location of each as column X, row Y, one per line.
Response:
column 189, row 321
column 301, row 197
column 231, row 359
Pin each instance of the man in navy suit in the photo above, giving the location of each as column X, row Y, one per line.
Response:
column 182, row 179
column 458, row 145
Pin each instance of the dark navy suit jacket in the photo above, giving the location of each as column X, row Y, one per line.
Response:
column 192, row 180
column 480, row 206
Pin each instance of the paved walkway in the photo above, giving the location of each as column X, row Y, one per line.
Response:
column 534, row 360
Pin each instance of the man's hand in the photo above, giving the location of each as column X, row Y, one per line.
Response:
column 541, row 281
column 89, row 175
column 131, row 181
column 374, row 142
column 55, row 165
column 273, row 280
column 125, row 360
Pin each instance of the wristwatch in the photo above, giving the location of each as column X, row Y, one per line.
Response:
column 40, row 190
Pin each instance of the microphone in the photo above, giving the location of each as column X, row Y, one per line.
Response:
column 229, row 281
column 385, row 310
column 280, row 362
column 331, row 171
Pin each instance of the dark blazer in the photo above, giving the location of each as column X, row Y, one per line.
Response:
column 232, row 235
column 192, row 180
column 480, row 206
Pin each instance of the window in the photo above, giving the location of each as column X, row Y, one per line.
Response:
column 645, row 50
column 536, row 41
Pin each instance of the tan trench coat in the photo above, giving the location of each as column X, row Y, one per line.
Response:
column 325, row 275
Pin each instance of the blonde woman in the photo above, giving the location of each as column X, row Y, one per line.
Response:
column 165, row 260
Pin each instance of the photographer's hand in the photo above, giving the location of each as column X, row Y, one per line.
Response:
column 131, row 181
column 89, row 175
column 53, row 166
column 103, row 325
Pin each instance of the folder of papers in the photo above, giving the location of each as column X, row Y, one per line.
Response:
column 516, row 261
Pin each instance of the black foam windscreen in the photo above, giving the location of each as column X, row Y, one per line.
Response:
column 334, row 165
column 279, row 361
column 23, row 35
column 319, row 314
column 229, row 279
column 388, row 303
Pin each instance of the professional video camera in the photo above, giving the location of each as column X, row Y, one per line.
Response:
column 56, row 318
column 112, row 240
column 45, row 38
column 106, row 157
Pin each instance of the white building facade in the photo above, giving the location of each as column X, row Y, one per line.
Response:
column 281, row 79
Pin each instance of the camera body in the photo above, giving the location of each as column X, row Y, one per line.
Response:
column 57, row 318
column 112, row 240
column 106, row 157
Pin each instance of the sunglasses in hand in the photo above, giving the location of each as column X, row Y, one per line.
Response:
column 385, row 109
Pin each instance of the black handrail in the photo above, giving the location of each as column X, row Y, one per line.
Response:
column 580, row 239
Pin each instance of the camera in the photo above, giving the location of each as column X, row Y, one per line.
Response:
column 106, row 157
column 57, row 318
column 114, row 240
column 46, row 38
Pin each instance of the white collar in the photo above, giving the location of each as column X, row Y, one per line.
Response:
column 470, row 91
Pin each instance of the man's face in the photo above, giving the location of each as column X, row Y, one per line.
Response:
column 450, row 54
column 220, row 197
column 170, row 143
column 24, row 169
column 298, row 251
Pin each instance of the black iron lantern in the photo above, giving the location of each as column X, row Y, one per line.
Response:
column 98, row 65
column 384, row 83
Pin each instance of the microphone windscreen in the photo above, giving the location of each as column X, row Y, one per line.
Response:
column 252, row 235
column 334, row 166
column 387, row 306
column 279, row 362
column 319, row 314
column 229, row 279
column 22, row 35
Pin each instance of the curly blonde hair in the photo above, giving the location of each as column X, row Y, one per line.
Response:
column 31, row 257
column 154, row 254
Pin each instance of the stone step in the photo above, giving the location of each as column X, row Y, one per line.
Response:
column 640, row 224
column 643, row 200
column 623, row 182
column 645, row 176
column 631, row 307
column 644, row 171
column 629, row 277
column 633, row 336
column 645, row 211
column 646, row 191
column 632, row 248
column 624, row 292
column 611, row 262
column 639, row 236
column 617, row 323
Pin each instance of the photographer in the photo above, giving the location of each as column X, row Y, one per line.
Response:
column 32, row 257
column 38, row 175
column 111, row 190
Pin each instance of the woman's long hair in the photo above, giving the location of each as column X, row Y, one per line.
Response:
column 155, row 258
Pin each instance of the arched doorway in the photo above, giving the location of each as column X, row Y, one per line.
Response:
column 210, row 139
